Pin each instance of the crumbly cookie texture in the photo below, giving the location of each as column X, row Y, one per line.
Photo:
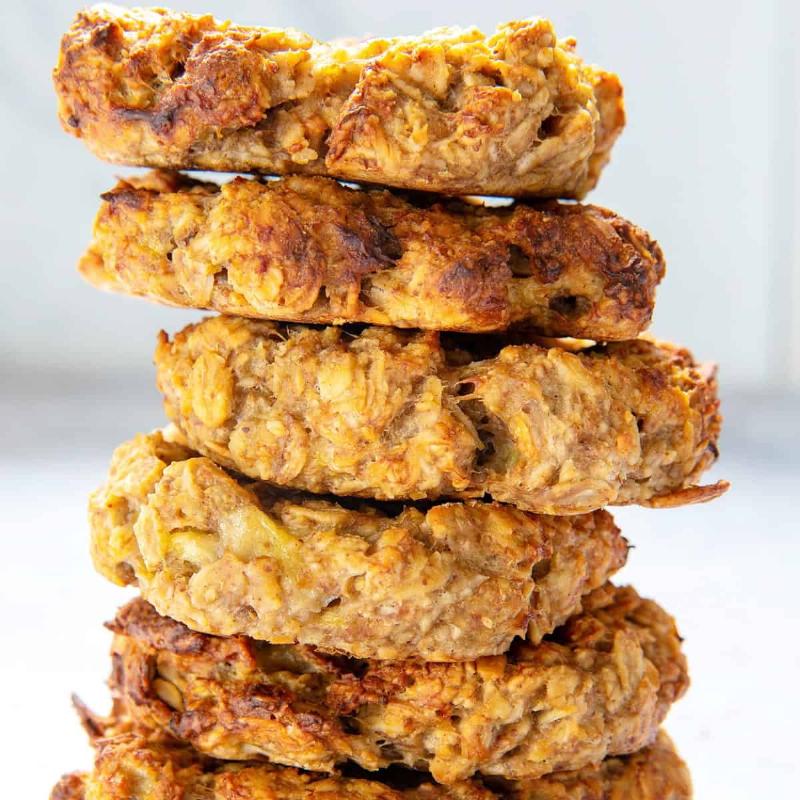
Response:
column 229, row 556
column 600, row 685
column 130, row 765
column 516, row 113
column 310, row 250
column 396, row 415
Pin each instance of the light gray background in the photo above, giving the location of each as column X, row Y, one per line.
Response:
column 708, row 163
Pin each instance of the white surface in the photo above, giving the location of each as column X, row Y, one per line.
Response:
column 728, row 572
column 705, row 164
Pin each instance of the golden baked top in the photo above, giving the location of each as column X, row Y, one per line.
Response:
column 393, row 414
column 599, row 685
column 310, row 250
column 515, row 113
column 153, row 770
column 453, row 582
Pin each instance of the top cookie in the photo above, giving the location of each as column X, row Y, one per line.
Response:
column 454, row 111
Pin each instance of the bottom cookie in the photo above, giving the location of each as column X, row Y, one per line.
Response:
column 129, row 766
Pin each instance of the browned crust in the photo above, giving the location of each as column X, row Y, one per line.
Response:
column 455, row 582
column 397, row 415
column 600, row 685
column 309, row 250
column 690, row 495
column 454, row 111
column 70, row 787
column 161, row 771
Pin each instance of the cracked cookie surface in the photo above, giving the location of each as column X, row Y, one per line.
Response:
column 392, row 414
column 309, row 250
column 455, row 111
column 225, row 555
column 154, row 770
column 599, row 685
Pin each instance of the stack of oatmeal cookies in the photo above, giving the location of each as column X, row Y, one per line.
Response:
column 370, row 545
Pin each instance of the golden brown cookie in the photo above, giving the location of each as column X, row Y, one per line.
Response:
column 453, row 582
column 392, row 414
column 599, row 685
column 453, row 111
column 130, row 765
column 310, row 250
